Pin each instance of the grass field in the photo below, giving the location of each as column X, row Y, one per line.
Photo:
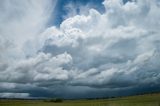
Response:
column 143, row 100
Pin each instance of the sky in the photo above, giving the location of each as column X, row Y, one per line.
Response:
column 79, row 48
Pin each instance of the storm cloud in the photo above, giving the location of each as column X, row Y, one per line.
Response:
column 89, row 55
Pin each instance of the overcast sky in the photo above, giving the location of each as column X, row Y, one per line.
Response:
column 79, row 48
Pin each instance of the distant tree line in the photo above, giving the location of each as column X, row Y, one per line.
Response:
column 55, row 100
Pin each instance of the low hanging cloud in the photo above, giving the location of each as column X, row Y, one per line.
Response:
column 99, row 52
column 14, row 95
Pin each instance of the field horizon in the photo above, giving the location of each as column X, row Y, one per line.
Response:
column 152, row 99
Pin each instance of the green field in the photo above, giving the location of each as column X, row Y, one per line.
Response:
column 143, row 100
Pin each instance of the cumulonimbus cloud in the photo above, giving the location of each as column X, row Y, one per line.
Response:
column 118, row 49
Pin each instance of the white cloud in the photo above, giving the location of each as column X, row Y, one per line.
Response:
column 43, row 67
column 14, row 95
column 116, row 39
column 22, row 22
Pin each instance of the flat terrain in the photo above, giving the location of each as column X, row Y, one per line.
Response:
column 142, row 100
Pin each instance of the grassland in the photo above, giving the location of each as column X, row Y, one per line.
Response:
column 143, row 100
